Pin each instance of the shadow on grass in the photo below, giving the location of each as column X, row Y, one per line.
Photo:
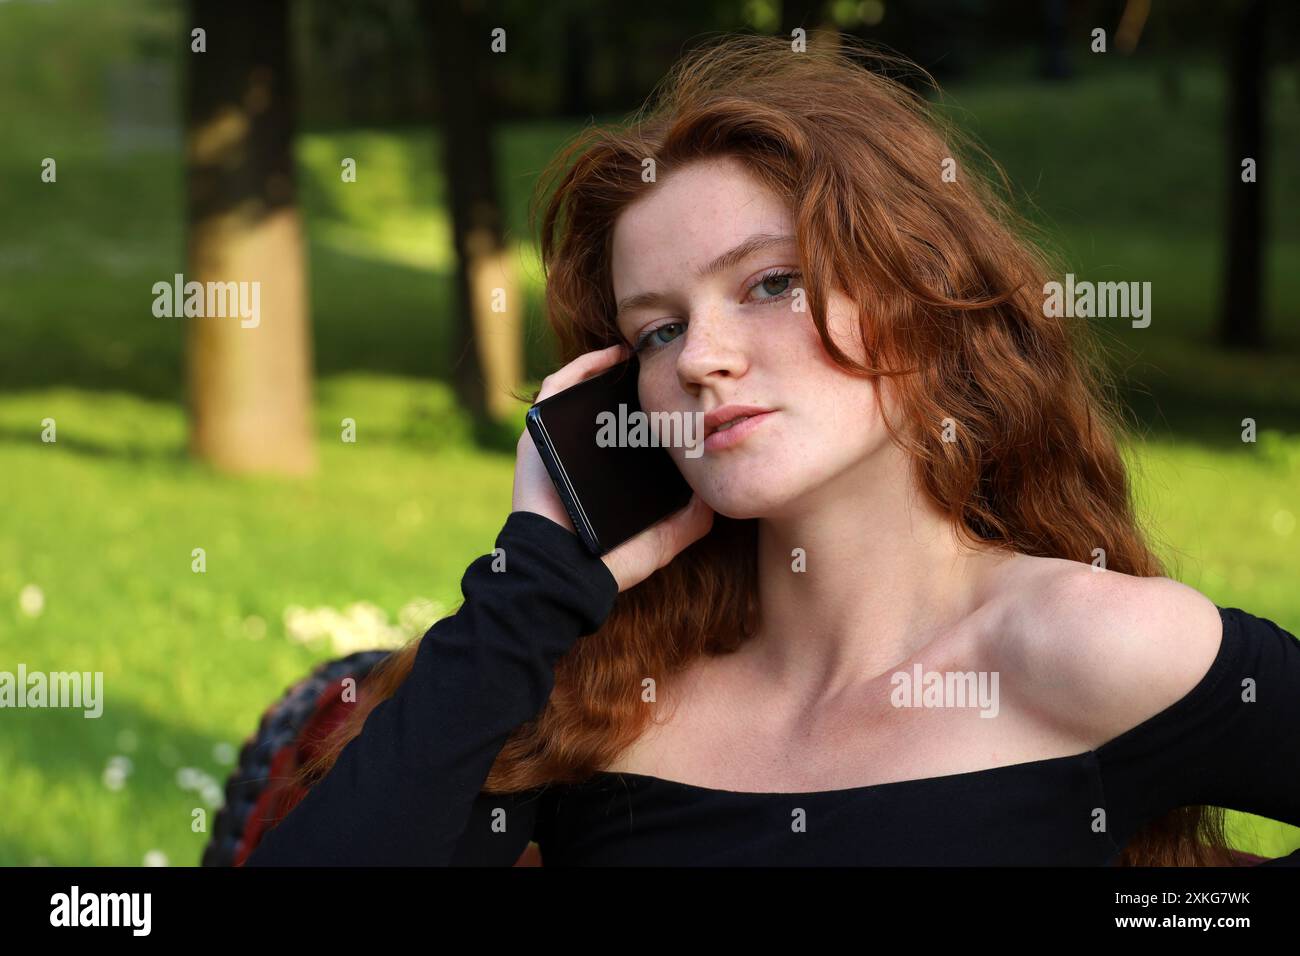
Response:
column 74, row 751
column 368, row 315
column 114, row 449
column 1186, row 392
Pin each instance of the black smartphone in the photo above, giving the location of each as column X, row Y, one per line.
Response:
column 612, row 490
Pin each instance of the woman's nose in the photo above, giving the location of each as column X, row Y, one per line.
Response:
column 712, row 348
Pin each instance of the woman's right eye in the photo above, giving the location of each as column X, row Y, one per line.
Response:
column 647, row 341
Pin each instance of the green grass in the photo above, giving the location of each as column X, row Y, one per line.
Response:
column 108, row 519
column 1224, row 521
column 104, row 521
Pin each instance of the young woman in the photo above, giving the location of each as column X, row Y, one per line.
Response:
column 923, row 479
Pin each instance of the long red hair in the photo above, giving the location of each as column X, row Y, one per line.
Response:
column 949, row 282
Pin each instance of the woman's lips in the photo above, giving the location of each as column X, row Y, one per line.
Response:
column 737, row 433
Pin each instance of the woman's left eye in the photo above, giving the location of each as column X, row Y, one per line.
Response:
column 776, row 283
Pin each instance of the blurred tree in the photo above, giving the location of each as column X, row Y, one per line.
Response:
column 809, row 14
column 1240, row 317
column 1167, row 27
column 1056, row 60
column 365, row 63
column 936, row 35
column 488, row 336
column 249, row 382
column 575, row 96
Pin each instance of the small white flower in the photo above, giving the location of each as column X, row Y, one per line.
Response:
column 299, row 624
column 115, row 774
column 155, row 858
column 31, row 601
column 361, row 626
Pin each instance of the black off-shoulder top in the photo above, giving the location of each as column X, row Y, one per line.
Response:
column 407, row 791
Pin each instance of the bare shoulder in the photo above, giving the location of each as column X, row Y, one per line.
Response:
column 1099, row 652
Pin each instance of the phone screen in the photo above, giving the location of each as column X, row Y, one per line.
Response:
column 612, row 490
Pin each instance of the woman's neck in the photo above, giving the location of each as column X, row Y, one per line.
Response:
column 856, row 578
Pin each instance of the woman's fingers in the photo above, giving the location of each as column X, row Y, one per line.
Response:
column 635, row 560
column 533, row 489
column 678, row 531
column 583, row 367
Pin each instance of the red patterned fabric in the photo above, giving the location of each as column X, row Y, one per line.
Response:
column 280, row 795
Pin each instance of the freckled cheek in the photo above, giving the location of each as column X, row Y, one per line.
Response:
column 658, row 392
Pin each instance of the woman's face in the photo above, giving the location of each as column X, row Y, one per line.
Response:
column 734, row 337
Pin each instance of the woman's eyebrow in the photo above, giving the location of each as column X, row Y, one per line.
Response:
column 738, row 253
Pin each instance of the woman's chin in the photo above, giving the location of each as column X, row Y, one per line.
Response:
column 740, row 505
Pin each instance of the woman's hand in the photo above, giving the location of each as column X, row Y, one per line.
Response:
column 640, row 556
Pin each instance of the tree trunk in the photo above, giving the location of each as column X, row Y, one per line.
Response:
column 1056, row 59
column 249, row 375
column 488, row 344
column 576, row 65
column 1241, row 320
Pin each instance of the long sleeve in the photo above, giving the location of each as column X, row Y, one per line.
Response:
column 406, row 789
column 1232, row 741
